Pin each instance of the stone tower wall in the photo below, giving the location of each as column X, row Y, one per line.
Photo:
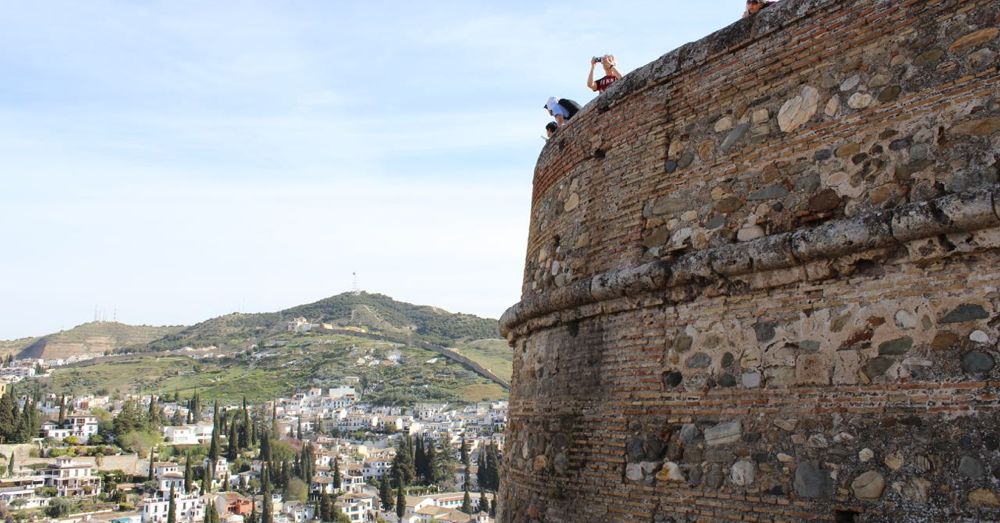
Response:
column 763, row 279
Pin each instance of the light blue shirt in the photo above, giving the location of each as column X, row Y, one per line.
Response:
column 557, row 110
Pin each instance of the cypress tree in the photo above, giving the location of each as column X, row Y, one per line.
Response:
column 267, row 516
column 431, row 458
column 419, row 460
column 171, row 508
column 265, row 450
column 483, row 502
column 188, row 474
column 209, row 477
column 493, row 507
column 466, row 501
column 298, row 429
column 464, row 451
column 211, row 516
column 152, row 454
column 326, row 507
column 483, row 471
column 153, row 420
column 254, row 518
column 62, row 410
column 213, row 449
column 233, row 450
column 385, row 493
column 493, row 475
column 8, row 417
column 336, row 474
column 10, row 466
column 246, row 434
column 274, row 420
column 400, row 501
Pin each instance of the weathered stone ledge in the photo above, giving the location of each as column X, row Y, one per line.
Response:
column 954, row 213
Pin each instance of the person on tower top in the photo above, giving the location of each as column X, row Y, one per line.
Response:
column 754, row 7
column 611, row 74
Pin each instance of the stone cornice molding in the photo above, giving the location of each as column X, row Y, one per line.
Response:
column 954, row 213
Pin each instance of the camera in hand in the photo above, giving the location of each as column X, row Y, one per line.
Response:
column 598, row 59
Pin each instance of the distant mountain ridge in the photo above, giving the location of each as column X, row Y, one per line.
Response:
column 376, row 312
column 396, row 352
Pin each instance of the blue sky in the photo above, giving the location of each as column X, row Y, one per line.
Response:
column 177, row 160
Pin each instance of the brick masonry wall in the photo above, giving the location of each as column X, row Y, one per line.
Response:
column 858, row 387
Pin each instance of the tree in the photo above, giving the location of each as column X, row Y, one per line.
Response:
column 268, row 511
column 493, row 507
column 307, row 464
column 10, row 466
column 172, row 508
column 209, row 477
column 466, row 499
column 400, row 501
column 385, row 493
column 464, row 451
column 211, row 515
column 188, row 475
column 152, row 456
column 483, row 502
column 8, row 417
column 59, row 508
column 154, row 417
column 254, row 517
column 213, row 449
column 274, row 420
column 402, row 465
column 297, row 490
column 337, row 480
column 233, row 450
column 62, row 410
column 298, row 429
column 326, row 505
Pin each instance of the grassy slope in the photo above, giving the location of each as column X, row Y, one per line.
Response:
column 305, row 360
column 494, row 354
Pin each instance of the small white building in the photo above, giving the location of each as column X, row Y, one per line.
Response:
column 71, row 478
column 188, row 508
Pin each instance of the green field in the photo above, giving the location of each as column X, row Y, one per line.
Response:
column 289, row 363
column 494, row 354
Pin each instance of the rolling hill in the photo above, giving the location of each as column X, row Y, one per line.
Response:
column 398, row 352
column 374, row 312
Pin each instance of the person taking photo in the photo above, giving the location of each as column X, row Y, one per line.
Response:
column 611, row 74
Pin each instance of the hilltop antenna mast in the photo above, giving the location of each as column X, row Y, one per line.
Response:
column 354, row 288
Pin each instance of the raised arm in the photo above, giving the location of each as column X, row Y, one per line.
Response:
column 590, row 78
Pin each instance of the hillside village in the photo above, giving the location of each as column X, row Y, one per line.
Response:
column 321, row 454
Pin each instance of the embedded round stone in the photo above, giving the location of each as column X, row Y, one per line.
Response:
column 977, row 362
column 868, row 486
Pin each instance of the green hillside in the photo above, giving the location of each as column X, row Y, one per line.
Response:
column 494, row 354
column 376, row 312
column 289, row 364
